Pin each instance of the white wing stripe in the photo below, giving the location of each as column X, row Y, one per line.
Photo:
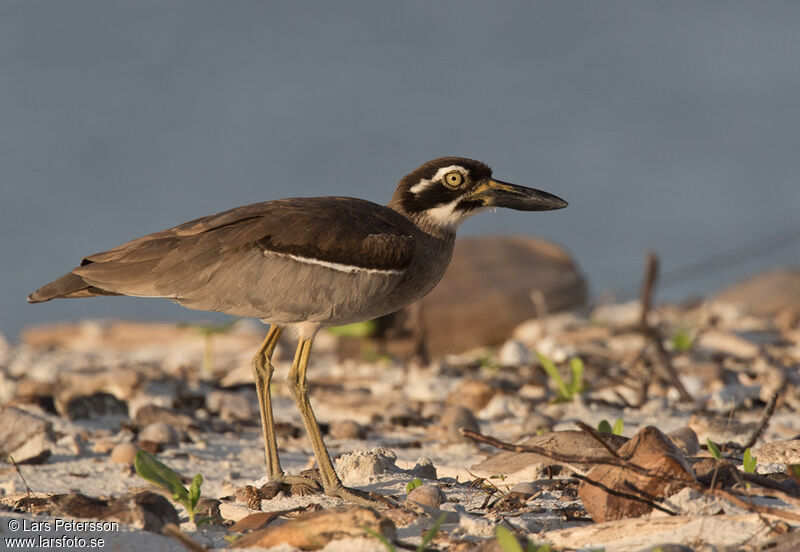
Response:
column 351, row 269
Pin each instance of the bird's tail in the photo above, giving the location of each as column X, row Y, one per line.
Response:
column 68, row 286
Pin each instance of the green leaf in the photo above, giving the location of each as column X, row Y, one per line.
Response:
column 372, row 533
column 576, row 367
column 682, row 341
column 604, row 427
column 562, row 391
column 356, row 329
column 749, row 462
column 431, row 533
column 619, row 426
column 507, row 541
column 713, row 449
column 413, row 484
column 158, row 473
column 194, row 491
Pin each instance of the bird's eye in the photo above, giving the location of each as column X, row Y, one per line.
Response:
column 453, row 179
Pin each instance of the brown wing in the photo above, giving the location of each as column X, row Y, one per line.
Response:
column 168, row 263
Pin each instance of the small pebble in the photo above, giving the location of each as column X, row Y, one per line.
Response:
column 514, row 353
column 427, row 495
column 124, row 453
column 456, row 417
column 159, row 432
column 685, row 439
column 424, row 469
column 526, row 488
column 346, row 429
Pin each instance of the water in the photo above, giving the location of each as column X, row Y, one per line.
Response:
column 667, row 126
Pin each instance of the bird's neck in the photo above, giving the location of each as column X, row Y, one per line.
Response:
column 425, row 223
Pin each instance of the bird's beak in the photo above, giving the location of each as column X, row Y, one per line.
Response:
column 494, row 193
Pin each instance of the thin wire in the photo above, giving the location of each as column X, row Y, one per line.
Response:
column 723, row 260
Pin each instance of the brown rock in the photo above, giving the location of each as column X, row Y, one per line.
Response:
column 346, row 429
column 507, row 270
column 685, row 439
column 145, row 510
column 151, row 413
column 24, row 436
column 160, row 433
column 427, row 495
column 650, row 449
column 314, row 530
column 471, row 394
column 124, row 453
column 453, row 419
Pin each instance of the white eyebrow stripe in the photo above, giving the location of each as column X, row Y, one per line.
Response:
column 350, row 269
column 424, row 183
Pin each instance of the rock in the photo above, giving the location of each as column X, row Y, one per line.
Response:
column 424, row 469
column 427, row 495
column 77, row 406
column 159, row 433
column 360, row 466
column 765, row 294
column 124, row 453
column 231, row 407
column 346, row 429
column 81, row 395
column 685, row 439
column 650, row 449
column 577, row 443
column 26, row 437
column 453, row 419
column 402, row 414
column 778, row 452
column 507, row 270
column 145, row 510
column 151, row 413
column 471, row 394
column 526, row 488
column 312, row 531
column 514, row 353
column 536, row 423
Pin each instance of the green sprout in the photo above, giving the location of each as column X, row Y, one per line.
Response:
column 749, row 462
column 682, row 341
column 565, row 392
column 367, row 328
column 713, row 449
column 413, row 484
column 509, row 543
column 605, row 427
column 426, row 538
column 158, row 473
column 208, row 331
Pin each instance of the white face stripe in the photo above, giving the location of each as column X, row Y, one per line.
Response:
column 446, row 215
column 350, row 269
column 424, row 183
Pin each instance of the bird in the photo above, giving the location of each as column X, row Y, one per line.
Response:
column 304, row 264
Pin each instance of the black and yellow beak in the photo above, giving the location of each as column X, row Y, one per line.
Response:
column 494, row 193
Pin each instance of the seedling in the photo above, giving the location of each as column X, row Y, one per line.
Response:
column 509, row 543
column 749, row 462
column 151, row 469
column 208, row 331
column 367, row 328
column 426, row 538
column 713, row 449
column 682, row 341
column 565, row 392
column 605, row 427
column 413, row 484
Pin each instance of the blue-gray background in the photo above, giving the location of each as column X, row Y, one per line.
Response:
column 673, row 126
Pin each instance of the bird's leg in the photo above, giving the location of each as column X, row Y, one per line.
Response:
column 262, row 373
column 298, row 385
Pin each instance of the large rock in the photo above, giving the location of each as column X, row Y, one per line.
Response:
column 25, row 437
column 487, row 291
column 765, row 294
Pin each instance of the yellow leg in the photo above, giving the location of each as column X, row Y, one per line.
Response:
column 262, row 373
column 298, row 385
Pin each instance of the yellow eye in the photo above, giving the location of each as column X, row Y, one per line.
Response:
column 453, row 179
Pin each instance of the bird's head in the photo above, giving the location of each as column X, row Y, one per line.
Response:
column 445, row 191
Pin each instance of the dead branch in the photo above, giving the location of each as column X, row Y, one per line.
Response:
column 763, row 421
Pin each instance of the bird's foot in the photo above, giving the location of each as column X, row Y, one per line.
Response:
column 363, row 498
column 298, row 485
